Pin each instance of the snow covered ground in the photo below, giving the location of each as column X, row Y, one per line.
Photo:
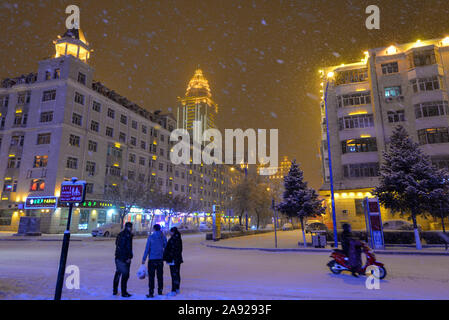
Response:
column 28, row 270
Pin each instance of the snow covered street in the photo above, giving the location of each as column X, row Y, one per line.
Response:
column 28, row 270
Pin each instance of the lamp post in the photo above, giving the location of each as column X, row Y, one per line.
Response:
column 331, row 179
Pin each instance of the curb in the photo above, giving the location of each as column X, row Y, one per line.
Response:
column 380, row 252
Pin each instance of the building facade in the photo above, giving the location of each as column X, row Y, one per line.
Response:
column 60, row 123
column 403, row 84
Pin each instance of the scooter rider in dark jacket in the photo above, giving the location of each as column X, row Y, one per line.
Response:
column 123, row 256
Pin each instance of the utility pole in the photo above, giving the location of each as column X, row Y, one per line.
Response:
column 275, row 223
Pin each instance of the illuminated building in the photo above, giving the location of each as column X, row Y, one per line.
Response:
column 197, row 105
column 60, row 123
column 403, row 84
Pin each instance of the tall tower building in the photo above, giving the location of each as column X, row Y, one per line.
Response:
column 197, row 105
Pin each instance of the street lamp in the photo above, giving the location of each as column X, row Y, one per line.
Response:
column 329, row 156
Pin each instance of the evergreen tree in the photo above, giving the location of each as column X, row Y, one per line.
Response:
column 439, row 206
column 299, row 200
column 408, row 181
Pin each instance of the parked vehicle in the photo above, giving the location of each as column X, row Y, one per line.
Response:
column 399, row 225
column 340, row 262
column 204, row 226
column 107, row 230
column 237, row 227
column 287, row 226
column 315, row 226
column 269, row 226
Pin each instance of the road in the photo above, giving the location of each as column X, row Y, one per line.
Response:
column 28, row 270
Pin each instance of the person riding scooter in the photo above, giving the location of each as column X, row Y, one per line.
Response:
column 352, row 249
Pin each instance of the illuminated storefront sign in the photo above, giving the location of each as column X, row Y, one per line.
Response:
column 94, row 204
column 41, row 202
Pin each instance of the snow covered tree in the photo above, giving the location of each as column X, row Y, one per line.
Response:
column 439, row 206
column 408, row 181
column 299, row 200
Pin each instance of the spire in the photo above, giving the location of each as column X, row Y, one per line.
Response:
column 198, row 85
column 73, row 43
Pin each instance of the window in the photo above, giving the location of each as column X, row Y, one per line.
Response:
column 37, row 185
column 133, row 141
column 161, row 166
column 94, row 126
column 433, row 135
column 115, row 152
column 14, row 162
column 113, row 171
column 23, row 97
column 123, row 119
column 47, row 75
column 359, row 145
column 96, row 106
column 391, row 67
column 134, row 124
column 441, row 163
column 10, row 185
column 46, row 116
column 398, row 116
column 74, row 140
column 72, row 163
column 419, row 58
column 109, row 132
column 43, row 138
column 79, row 98
column 427, row 84
column 122, row 137
column 356, row 121
column 132, row 158
column 90, row 168
column 354, row 99
column 162, row 137
column 89, row 188
column 144, row 129
column 111, row 113
column 361, row 170
column 82, row 78
column 92, row 146
column 77, row 119
column 4, row 101
column 131, row 175
column 431, row 109
column 57, row 73
column 142, row 161
column 143, row 145
column 40, row 161
column 161, row 152
column 49, row 95
column 20, row 119
column 391, row 92
column 351, row 76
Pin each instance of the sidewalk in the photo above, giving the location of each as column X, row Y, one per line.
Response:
column 288, row 242
column 10, row 236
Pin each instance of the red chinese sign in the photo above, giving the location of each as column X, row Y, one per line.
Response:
column 72, row 192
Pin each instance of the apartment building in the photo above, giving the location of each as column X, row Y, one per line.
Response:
column 60, row 123
column 403, row 84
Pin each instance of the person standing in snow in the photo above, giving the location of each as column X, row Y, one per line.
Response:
column 173, row 256
column 154, row 250
column 346, row 238
column 123, row 256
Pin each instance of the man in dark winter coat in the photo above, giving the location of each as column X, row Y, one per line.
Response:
column 352, row 249
column 173, row 256
column 346, row 238
column 154, row 250
column 123, row 256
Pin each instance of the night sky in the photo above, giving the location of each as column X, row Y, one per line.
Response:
column 261, row 57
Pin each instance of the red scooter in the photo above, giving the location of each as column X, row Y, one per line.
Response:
column 340, row 262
